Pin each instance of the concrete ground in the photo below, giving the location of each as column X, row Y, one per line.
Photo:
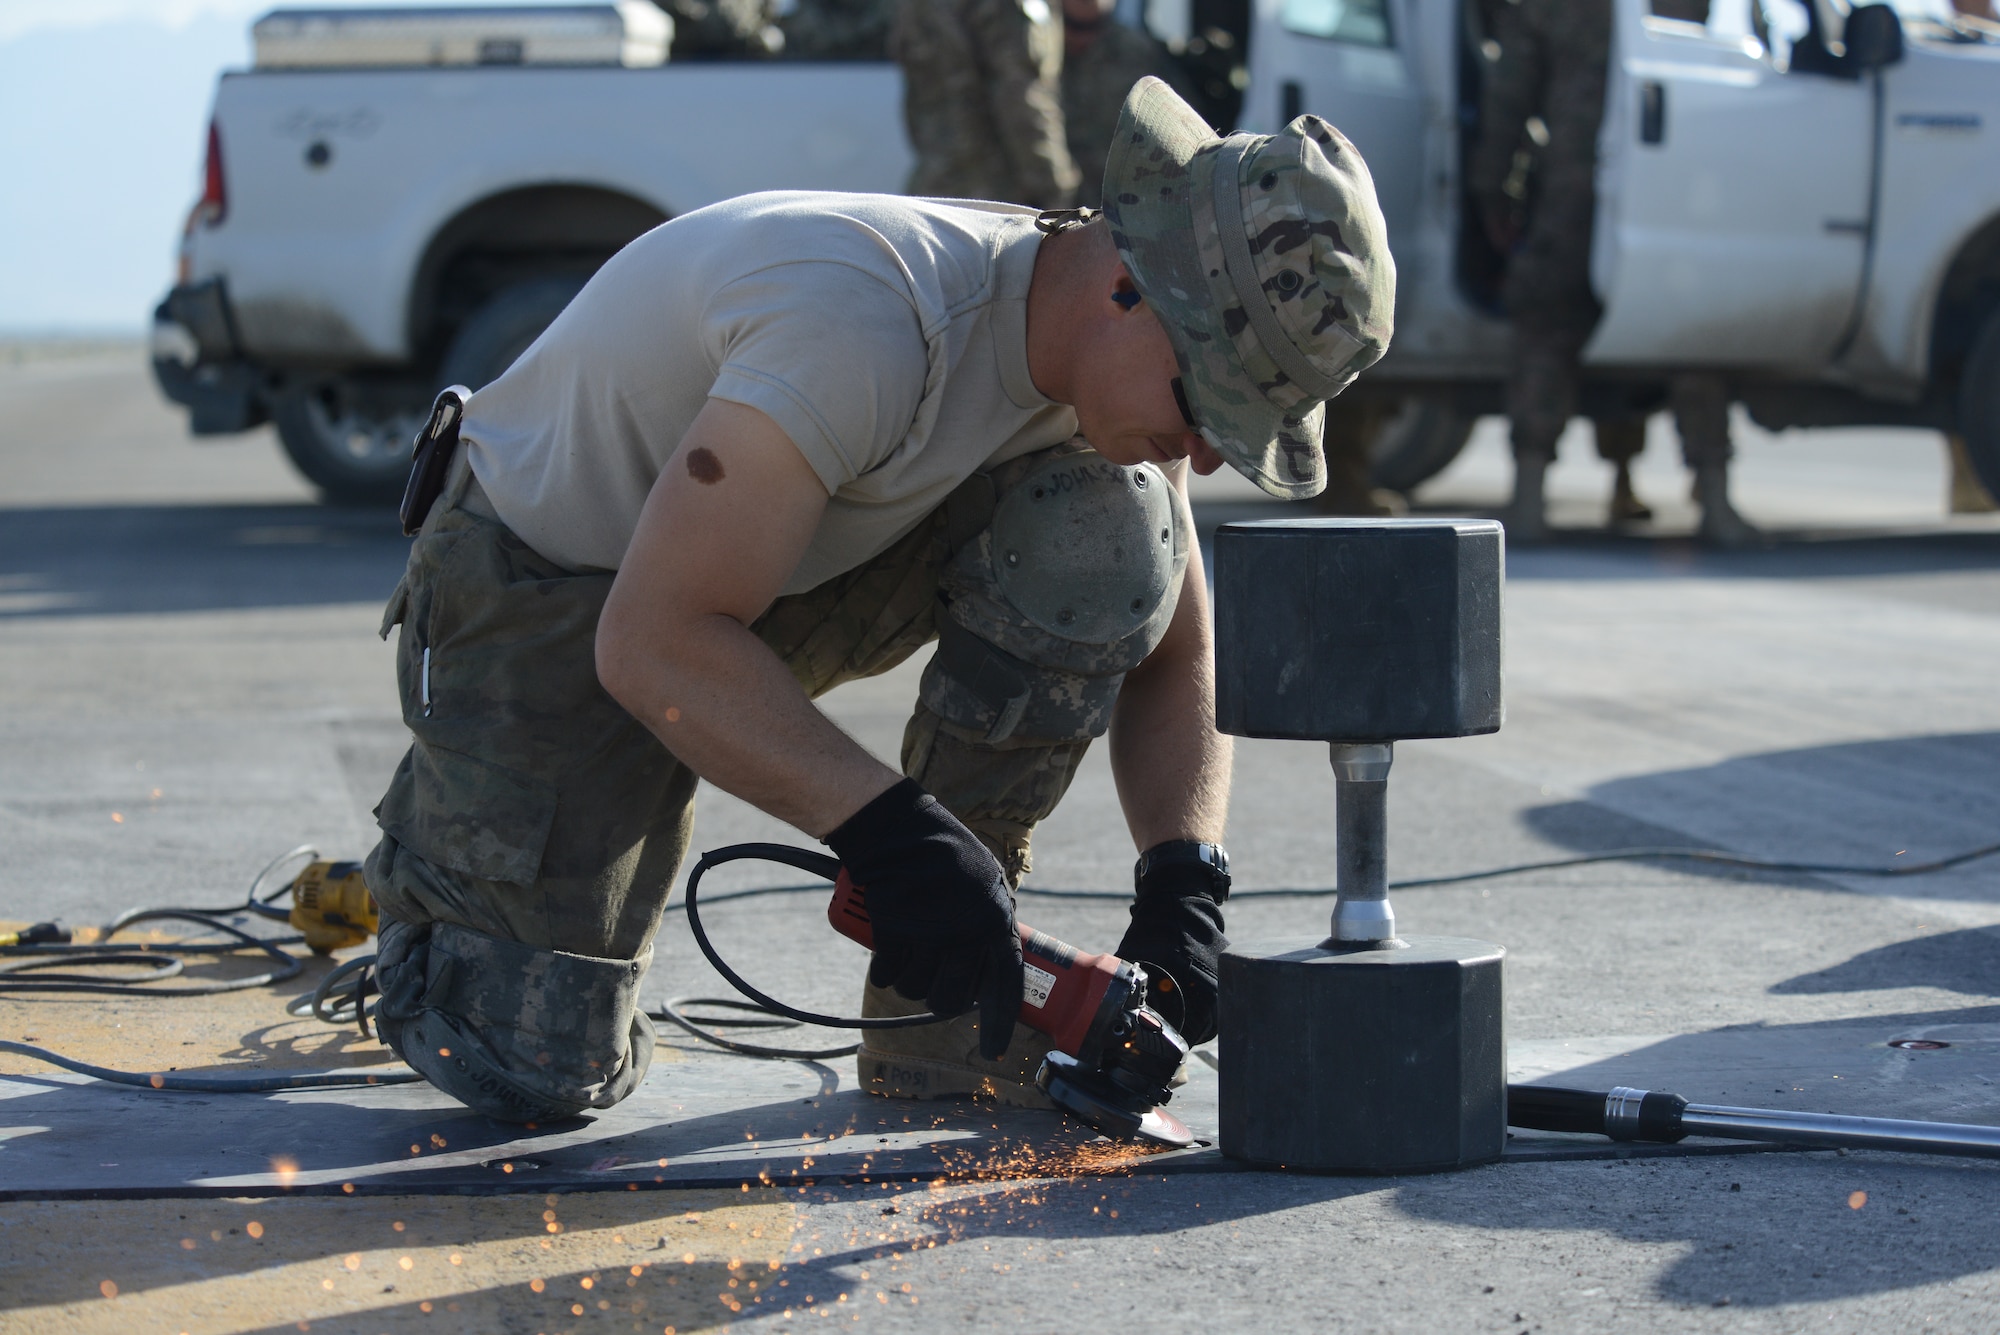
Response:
column 190, row 685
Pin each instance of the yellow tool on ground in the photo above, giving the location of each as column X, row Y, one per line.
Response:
column 332, row 907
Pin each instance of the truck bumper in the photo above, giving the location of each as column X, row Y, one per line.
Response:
column 198, row 362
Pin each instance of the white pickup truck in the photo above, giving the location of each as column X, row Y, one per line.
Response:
column 1802, row 196
column 370, row 232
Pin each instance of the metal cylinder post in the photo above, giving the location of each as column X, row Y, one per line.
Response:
column 1362, row 913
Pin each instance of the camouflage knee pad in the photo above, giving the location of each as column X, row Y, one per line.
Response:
column 519, row 1034
column 1068, row 588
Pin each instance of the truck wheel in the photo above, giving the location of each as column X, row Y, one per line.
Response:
column 1418, row 443
column 1979, row 404
column 356, row 452
column 497, row 333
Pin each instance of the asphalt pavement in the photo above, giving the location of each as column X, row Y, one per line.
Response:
column 190, row 684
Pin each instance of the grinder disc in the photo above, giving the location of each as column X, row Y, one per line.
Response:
column 1073, row 1090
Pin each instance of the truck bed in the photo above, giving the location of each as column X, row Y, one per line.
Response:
column 341, row 179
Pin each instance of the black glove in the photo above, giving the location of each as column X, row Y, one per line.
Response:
column 1176, row 932
column 941, row 911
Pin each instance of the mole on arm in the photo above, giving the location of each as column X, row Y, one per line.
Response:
column 703, row 466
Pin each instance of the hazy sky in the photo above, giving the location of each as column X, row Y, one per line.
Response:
column 103, row 114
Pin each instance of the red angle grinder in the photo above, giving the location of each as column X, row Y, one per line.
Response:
column 1112, row 1055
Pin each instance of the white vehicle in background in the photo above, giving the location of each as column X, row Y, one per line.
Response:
column 398, row 201
column 1803, row 197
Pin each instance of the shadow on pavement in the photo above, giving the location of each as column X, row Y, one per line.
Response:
column 1760, row 1233
column 1801, row 554
column 181, row 558
column 1965, row 961
column 194, row 558
column 1783, row 1229
column 512, row 1230
column 1906, row 800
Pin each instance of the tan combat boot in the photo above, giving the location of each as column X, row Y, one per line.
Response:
column 936, row 1061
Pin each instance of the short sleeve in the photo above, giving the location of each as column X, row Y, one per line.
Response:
column 834, row 355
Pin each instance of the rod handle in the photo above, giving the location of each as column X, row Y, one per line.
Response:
column 1622, row 1114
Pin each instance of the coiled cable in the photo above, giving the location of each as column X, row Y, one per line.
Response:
column 45, row 962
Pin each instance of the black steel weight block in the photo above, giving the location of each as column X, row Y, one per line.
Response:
column 1383, row 1059
column 1358, row 630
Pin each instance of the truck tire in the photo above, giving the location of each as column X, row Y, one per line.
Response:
column 501, row 329
column 355, row 450
column 1418, row 443
column 1979, row 404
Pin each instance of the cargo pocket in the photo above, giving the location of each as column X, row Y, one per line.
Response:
column 399, row 602
column 470, row 815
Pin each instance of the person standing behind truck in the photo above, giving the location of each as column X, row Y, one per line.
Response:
column 982, row 100
column 1554, row 56
column 1102, row 60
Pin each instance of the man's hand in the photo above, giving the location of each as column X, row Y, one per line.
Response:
column 938, row 903
column 1176, row 932
column 722, row 531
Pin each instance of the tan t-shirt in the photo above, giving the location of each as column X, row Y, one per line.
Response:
column 886, row 336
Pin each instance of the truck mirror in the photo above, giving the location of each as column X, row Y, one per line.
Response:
column 1873, row 37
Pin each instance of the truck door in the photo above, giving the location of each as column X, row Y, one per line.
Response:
column 1732, row 191
column 1349, row 62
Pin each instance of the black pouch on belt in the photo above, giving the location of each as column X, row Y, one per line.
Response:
column 432, row 457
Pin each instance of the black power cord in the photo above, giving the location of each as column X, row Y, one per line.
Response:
column 817, row 864
column 41, row 959
column 213, row 1084
column 44, row 950
column 1708, row 856
column 771, row 1013
column 342, row 996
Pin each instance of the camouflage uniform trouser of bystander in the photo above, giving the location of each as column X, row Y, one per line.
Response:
column 1699, row 402
column 533, row 831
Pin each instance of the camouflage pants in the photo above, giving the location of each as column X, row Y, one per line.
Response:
column 1542, row 398
column 1542, row 387
column 533, row 831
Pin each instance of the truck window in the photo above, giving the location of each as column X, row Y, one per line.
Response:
column 1780, row 25
column 1362, row 22
column 1732, row 22
column 1764, row 28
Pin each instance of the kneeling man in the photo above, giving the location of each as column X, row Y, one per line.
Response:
column 784, row 442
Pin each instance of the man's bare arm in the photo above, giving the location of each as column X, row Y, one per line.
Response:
column 1171, row 765
column 721, row 533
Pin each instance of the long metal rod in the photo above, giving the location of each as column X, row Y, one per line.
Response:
column 1836, row 1131
column 1661, row 1118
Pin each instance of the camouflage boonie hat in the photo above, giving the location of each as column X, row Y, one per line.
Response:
column 1267, row 261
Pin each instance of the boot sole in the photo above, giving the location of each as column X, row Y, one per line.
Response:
column 895, row 1076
